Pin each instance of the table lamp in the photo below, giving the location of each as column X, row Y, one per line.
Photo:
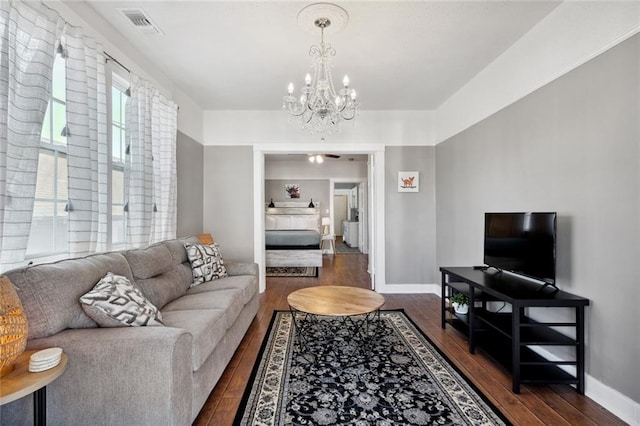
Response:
column 13, row 326
column 326, row 221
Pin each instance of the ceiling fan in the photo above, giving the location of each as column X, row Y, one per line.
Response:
column 319, row 158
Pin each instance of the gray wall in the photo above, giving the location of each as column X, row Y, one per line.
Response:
column 316, row 189
column 190, row 185
column 410, row 229
column 571, row 147
column 228, row 200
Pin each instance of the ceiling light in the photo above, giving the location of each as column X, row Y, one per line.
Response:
column 316, row 158
column 320, row 107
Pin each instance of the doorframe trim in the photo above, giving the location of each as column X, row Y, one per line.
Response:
column 376, row 182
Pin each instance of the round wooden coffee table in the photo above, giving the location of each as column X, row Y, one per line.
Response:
column 355, row 307
column 332, row 300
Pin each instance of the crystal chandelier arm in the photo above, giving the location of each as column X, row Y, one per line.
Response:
column 350, row 114
column 308, row 119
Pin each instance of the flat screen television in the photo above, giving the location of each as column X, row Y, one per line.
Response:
column 523, row 243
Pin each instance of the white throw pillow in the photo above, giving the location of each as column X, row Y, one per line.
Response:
column 296, row 222
column 283, row 222
column 311, row 223
column 270, row 222
column 304, row 222
column 115, row 302
column 206, row 262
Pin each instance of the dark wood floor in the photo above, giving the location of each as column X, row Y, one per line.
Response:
column 535, row 405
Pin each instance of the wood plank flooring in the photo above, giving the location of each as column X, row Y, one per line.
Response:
column 535, row 405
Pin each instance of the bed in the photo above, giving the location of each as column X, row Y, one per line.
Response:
column 292, row 236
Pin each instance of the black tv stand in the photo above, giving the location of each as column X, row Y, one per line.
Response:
column 508, row 336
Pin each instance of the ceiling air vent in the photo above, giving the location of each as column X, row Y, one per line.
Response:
column 141, row 21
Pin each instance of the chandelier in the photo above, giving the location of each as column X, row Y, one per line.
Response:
column 320, row 107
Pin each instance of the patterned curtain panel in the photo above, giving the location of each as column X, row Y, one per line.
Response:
column 164, row 129
column 86, row 142
column 150, row 172
column 139, row 164
column 28, row 35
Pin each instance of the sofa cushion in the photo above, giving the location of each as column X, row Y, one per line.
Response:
column 49, row 293
column 242, row 269
column 206, row 262
column 115, row 302
column 247, row 284
column 186, row 274
column 177, row 250
column 207, row 327
column 229, row 300
column 162, row 288
column 149, row 262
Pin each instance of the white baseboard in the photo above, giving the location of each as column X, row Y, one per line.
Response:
column 619, row 404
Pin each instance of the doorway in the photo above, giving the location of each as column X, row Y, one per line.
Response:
column 339, row 213
column 352, row 222
column 375, row 200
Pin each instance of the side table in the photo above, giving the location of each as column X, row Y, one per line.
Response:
column 20, row 382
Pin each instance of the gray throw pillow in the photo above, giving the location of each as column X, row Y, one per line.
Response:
column 115, row 302
column 206, row 262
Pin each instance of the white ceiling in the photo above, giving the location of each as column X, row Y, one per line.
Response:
column 403, row 55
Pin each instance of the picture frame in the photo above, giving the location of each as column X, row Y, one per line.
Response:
column 409, row 181
column 292, row 190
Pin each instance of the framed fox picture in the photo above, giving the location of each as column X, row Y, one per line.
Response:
column 408, row 181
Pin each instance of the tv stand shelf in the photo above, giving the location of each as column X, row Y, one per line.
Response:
column 508, row 337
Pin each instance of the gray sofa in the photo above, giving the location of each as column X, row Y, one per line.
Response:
column 134, row 375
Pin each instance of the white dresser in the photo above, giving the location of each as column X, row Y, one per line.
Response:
column 350, row 233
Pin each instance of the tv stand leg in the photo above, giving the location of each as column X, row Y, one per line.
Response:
column 472, row 321
column 580, row 349
column 516, row 315
column 442, row 300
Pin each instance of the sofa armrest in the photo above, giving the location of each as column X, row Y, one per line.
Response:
column 128, row 375
column 242, row 269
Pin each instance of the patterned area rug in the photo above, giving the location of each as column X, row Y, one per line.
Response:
column 400, row 379
column 292, row 271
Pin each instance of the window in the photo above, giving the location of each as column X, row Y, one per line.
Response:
column 118, row 152
column 50, row 220
column 49, row 226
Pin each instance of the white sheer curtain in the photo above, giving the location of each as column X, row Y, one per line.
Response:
column 87, row 154
column 151, row 122
column 28, row 35
column 163, row 132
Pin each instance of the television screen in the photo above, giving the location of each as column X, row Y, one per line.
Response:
column 524, row 243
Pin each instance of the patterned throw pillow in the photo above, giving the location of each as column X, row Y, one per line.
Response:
column 115, row 302
column 206, row 262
